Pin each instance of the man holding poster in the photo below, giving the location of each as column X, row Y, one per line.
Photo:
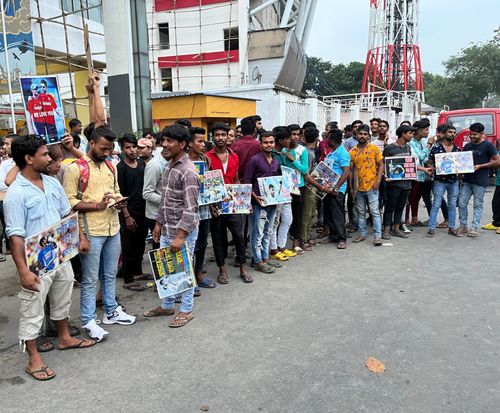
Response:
column 33, row 203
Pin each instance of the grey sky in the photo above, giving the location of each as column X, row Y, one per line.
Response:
column 340, row 30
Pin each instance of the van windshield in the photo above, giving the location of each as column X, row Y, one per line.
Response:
column 464, row 121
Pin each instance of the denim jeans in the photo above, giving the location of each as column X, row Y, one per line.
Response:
column 281, row 225
column 371, row 198
column 452, row 192
column 186, row 296
column 100, row 263
column 468, row 190
column 263, row 220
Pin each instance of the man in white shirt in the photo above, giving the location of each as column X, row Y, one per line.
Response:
column 5, row 167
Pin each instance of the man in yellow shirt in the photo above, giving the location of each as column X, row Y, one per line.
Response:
column 367, row 164
column 92, row 189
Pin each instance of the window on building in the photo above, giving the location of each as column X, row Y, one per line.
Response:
column 91, row 8
column 231, row 39
column 166, row 80
column 164, row 36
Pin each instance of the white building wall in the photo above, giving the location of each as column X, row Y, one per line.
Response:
column 194, row 30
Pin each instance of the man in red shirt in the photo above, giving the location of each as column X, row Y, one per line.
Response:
column 42, row 107
column 224, row 159
column 247, row 146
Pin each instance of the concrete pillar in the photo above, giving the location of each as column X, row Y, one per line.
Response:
column 313, row 110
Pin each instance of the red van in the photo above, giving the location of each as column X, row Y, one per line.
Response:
column 462, row 119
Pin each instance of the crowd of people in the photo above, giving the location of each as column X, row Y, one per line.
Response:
column 130, row 191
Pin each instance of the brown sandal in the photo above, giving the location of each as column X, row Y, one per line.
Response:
column 44, row 369
column 247, row 278
column 223, row 279
column 181, row 321
column 159, row 311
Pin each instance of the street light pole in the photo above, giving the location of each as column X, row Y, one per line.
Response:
column 7, row 65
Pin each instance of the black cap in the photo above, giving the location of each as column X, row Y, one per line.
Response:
column 403, row 129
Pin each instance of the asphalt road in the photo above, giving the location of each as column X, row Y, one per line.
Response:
column 294, row 341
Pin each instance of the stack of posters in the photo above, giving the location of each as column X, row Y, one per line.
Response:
column 43, row 107
column 238, row 200
column 275, row 190
column 172, row 271
column 400, row 168
column 214, row 189
column 53, row 246
column 325, row 176
column 294, row 177
column 454, row 163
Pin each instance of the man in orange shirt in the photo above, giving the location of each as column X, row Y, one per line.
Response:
column 367, row 164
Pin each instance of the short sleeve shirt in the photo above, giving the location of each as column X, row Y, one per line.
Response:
column 482, row 153
column 365, row 164
column 337, row 160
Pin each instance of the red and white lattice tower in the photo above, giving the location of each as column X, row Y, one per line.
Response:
column 393, row 58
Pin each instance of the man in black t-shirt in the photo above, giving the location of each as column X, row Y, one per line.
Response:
column 133, row 225
column 485, row 157
column 397, row 191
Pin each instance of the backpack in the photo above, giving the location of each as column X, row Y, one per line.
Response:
column 83, row 166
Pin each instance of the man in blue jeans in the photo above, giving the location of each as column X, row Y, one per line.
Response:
column 177, row 222
column 262, row 165
column 101, row 225
column 367, row 165
column 444, row 183
column 485, row 157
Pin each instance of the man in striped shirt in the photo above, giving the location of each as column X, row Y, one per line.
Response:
column 177, row 221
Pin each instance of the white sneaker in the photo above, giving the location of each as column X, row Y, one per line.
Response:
column 95, row 331
column 118, row 317
column 405, row 229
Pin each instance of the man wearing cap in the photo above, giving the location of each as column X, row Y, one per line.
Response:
column 145, row 149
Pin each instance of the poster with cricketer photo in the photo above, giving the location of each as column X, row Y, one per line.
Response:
column 275, row 190
column 43, row 107
column 400, row 168
column 172, row 271
column 200, row 168
column 294, row 176
column 53, row 246
column 214, row 189
column 325, row 176
column 454, row 163
column 238, row 200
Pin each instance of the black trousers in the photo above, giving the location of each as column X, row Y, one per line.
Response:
column 4, row 235
column 201, row 245
column 395, row 204
column 334, row 216
column 495, row 205
column 133, row 244
column 151, row 226
column 351, row 211
column 218, row 228
column 297, row 207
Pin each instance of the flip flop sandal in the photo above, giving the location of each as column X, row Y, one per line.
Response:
column 42, row 341
column 247, row 278
column 142, row 277
column 158, row 312
column 298, row 250
column 80, row 343
column 134, row 287
column 261, row 268
column 274, row 264
column 207, row 283
column 306, row 247
column 455, row 233
column 42, row 370
column 180, row 321
column 341, row 245
column 223, row 279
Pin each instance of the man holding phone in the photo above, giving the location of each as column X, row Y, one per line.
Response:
column 91, row 186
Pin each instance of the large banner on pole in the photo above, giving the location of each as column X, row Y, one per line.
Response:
column 20, row 50
column 43, row 107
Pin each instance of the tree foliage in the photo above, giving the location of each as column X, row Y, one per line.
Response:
column 325, row 78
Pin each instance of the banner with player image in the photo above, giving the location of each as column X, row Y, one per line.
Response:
column 294, row 176
column 43, row 107
column 454, row 163
column 172, row 271
column 325, row 176
column 214, row 189
column 275, row 190
column 238, row 200
column 53, row 246
column 400, row 168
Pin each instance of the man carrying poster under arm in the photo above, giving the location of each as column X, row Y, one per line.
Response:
column 35, row 202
